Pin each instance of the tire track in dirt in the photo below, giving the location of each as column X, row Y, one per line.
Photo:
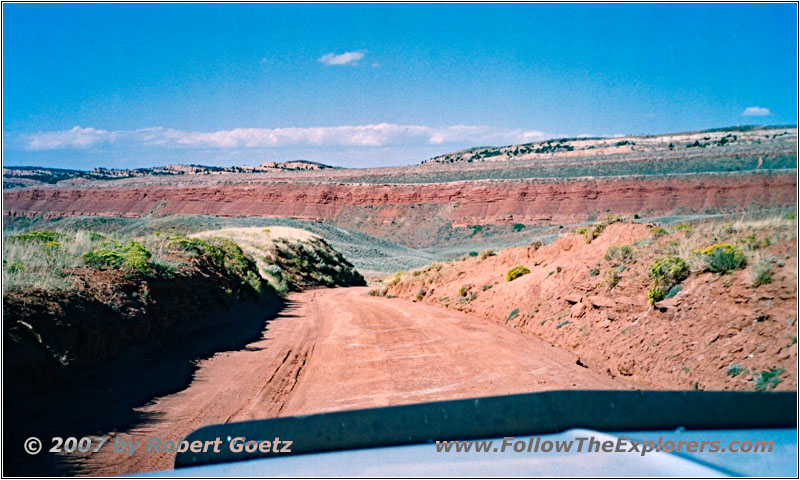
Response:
column 336, row 349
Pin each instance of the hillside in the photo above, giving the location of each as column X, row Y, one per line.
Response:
column 49, row 275
column 731, row 139
column 723, row 317
column 290, row 258
column 100, row 324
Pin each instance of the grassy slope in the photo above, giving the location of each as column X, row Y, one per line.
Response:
column 101, row 324
column 368, row 253
column 373, row 256
column 126, row 282
column 291, row 259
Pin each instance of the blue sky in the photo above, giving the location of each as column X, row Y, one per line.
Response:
column 124, row 85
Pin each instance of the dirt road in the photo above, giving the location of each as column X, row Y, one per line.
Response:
column 338, row 349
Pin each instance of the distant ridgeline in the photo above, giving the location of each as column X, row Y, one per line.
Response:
column 16, row 177
column 732, row 139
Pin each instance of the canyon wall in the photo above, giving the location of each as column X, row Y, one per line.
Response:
column 382, row 209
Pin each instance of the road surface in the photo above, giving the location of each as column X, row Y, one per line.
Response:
column 336, row 349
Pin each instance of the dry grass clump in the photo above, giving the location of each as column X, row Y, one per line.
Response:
column 593, row 231
column 619, row 254
column 761, row 272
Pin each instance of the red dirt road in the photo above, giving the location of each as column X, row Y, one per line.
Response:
column 338, row 349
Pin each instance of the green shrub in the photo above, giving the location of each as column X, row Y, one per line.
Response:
column 228, row 255
column 473, row 254
column 669, row 271
column 762, row 273
column 516, row 272
column 619, row 254
column 40, row 236
column 15, row 267
column 735, row 369
column 666, row 272
column 476, row 229
column 255, row 281
column 103, row 258
column 486, row 287
column 192, row 245
column 131, row 256
column 565, row 322
column 768, row 380
column 464, row 290
column 231, row 256
column 512, row 314
column 723, row 258
column 654, row 295
column 681, row 227
column 518, row 227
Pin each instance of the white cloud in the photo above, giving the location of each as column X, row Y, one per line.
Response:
column 374, row 135
column 529, row 136
column 76, row 137
column 346, row 58
column 756, row 112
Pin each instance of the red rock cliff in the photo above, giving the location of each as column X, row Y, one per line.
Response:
column 372, row 207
